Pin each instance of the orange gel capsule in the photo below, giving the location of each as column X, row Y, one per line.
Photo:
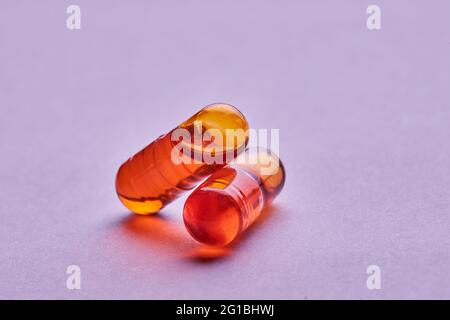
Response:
column 231, row 199
column 158, row 174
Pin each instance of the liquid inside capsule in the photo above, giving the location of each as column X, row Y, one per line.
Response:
column 180, row 159
column 231, row 199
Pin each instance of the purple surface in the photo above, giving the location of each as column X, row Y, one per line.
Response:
column 364, row 123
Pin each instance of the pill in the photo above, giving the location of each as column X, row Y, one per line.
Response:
column 232, row 198
column 179, row 160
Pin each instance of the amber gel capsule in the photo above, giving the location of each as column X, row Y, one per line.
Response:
column 231, row 199
column 163, row 170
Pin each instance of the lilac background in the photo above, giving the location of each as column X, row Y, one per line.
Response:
column 364, row 122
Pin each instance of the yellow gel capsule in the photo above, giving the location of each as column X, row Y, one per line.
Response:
column 179, row 160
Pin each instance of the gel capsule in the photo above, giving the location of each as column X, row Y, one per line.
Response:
column 160, row 172
column 231, row 199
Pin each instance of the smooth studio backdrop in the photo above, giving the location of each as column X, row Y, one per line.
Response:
column 364, row 125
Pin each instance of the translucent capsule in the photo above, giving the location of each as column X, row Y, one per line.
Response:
column 180, row 159
column 231, row 199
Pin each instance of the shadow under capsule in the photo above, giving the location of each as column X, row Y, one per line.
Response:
column 157, row 230
column 161, row 231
